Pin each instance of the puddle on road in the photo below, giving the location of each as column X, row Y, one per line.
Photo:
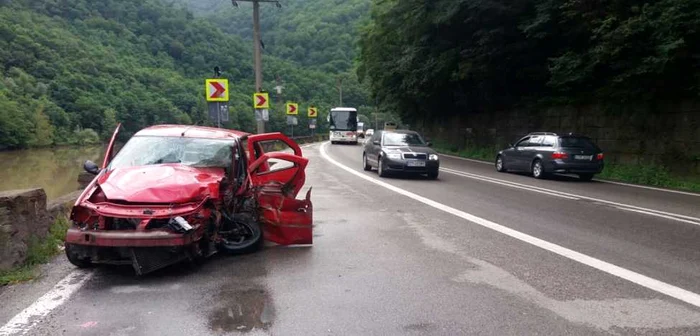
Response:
column 242, row 311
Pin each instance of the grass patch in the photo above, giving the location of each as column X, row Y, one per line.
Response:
column 40, row 252
column 477, row 153
column 651, row 175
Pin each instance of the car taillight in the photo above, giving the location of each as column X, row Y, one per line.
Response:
column 599, row 156
column 559, row 155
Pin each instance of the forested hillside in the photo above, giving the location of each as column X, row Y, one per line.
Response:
column 437, row 59
column 72, row 69
column 318, row 35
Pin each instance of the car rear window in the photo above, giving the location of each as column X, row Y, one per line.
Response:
column 577, row 142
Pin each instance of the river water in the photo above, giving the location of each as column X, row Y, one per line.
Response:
column 53, row 169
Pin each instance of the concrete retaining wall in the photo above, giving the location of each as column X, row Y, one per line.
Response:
column 666, row 134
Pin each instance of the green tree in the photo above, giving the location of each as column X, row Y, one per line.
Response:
column 109, row 123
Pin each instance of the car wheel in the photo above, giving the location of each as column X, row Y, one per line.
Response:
column 380, row 167
column 333, row 142
column 538, row 170
column 366, row 164
column 585, row 177
column 500, row 165
column 433, row 175
column 74, row 259
column 252, row 242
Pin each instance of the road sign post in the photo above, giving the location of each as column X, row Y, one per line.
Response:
column 292, row 109
column 217, row 95
column 261, row 104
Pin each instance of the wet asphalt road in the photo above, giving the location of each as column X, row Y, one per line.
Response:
column 385, row 264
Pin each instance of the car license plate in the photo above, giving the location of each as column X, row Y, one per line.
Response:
column 415, row 163
column 583, row 157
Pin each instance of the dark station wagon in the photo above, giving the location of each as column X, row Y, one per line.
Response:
column 545, row 153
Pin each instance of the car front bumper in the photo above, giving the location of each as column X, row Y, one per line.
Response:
column 401, row 165
column 128, row 238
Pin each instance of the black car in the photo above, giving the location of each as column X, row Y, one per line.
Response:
column 400, row 151
column 544, row 153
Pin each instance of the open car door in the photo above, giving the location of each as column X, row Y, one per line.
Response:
column 109, row 154
column 286, row 220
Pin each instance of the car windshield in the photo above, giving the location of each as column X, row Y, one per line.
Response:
column 196, row 152
column 403, row 139
column 576, row 142
column 343, row 120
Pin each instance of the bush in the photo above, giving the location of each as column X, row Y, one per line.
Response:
column 86, row 136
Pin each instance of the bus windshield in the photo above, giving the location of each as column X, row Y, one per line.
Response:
column 343, row 121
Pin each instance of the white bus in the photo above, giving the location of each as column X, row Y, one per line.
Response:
column 343, row 125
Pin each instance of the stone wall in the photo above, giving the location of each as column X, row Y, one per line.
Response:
column 666, row 134
column 23, row 215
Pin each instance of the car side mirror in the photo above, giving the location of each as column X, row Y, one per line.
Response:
column 375, row 142
column 91, row 167
column 510, row 145
column 430, row 144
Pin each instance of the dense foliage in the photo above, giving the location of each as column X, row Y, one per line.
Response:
column 439, row 58
column 71, row 69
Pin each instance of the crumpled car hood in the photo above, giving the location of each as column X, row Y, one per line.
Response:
column 172, row 183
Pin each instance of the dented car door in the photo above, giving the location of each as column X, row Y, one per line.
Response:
column 285, row 219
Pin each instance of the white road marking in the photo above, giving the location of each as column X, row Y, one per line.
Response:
column 598, row 180
column 26, row 319
column 650, row 188
column 458, row 173
column 634, row 277
column 658, row 213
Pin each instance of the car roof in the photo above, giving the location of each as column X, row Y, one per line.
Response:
column 400, row 131
column 189, row 131
column 344, row 109
column 555, row 134
column 542, row 133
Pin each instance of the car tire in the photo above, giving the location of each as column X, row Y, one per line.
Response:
column 74, row 259
column 585, row 177
column 380, row 167
column 500, row 165
column 256, row 244
column 365, row 163
column 433, row 175
column 333, row 142
column 538, row 169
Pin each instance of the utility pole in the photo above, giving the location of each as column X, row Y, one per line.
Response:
column 257, row 53
column 340, row 90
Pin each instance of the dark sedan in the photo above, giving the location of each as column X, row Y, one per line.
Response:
column 400, row 152
column 547, row 153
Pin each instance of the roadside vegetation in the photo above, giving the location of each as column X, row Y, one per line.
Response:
column 40, row 252
column 71, row 70
column 438, row 59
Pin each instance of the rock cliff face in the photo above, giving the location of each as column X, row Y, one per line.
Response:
column 23, row 215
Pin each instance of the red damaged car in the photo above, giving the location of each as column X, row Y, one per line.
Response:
column 181, row 193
